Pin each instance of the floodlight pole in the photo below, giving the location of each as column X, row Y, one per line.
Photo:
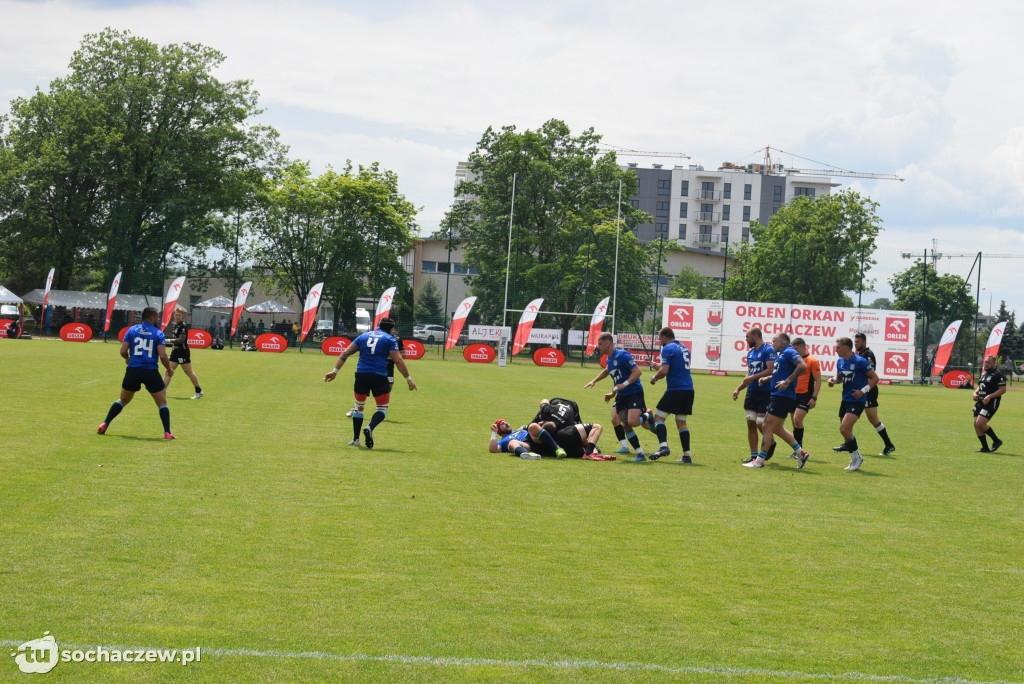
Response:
column 615, row 278
column 508, row 259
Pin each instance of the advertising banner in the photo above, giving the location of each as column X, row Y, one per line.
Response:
column 715, row 332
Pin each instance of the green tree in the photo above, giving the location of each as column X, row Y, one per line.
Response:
column 813, row 251
column 1012, row 346
column 693, row 285
column 347, row 229
column 563, row 227
column 428, row 305
column 146, row 126
column 881, row 303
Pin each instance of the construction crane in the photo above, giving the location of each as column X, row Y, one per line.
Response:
column 641, row 153
column 768, row 168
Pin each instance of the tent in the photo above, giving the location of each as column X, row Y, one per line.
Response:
column 73, row 299
column 8, row 297
column 218, row 302
column 270, row 307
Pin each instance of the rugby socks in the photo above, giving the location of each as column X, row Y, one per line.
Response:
column 115, row 409
column 357, row 424
column 588, row 449
column 634, row 441
column 984, row 440
column 547, row 440
column 684, row 438
column 520, row 450
column 662, row 432
column 771, row 450
column 198, row 389
column 851, row 444
column 991, row 433
column 620, row 434
column 880, row 429
column 798, row 434
column 378, row 417
column 165, row 417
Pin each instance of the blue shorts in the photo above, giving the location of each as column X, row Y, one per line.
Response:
column 676, row 402
column 135, row 378
column 854, row 407
column 633, row 401
column 757, row 402
column 781, row 407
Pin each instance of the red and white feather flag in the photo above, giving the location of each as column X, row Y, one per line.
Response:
column 384, row 305
column 945, row 347
column 526, row 325
column 111, row 300
column 596, row 323
column 458, row 321
column 309, row 310
column 243, row 294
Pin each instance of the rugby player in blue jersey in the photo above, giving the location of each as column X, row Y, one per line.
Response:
column 505, row 440
column 678, row 397
column 374, row 349
column 628, row 393
column 858, row 378
column 788, row 367
column 760, row 364
column 144, row 346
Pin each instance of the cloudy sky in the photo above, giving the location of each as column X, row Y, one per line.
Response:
column 926, row 90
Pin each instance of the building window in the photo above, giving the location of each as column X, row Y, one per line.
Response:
column 746, row 212
column 665, row 186
column 661, row 281
column 682, row 231
column 705, row 234
column 746, row 233
column 727, row 191
column 193, row 300
column 634, row 203
column 462, row 269
column 682, row 209
column 777, row 196
column 725, row 234
column 707, row 190
column 809, row 192
column 661, row 209
column 661, row 230
column 725, row 212
column 428, row 267
column 684, row 188
column 746, row 191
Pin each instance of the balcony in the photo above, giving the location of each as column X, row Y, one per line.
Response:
column 709, row 216
column 708, row 195
column 705, row 240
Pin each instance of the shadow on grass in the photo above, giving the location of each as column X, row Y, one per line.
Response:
column 138, row 438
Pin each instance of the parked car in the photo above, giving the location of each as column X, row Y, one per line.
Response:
column 429, row 333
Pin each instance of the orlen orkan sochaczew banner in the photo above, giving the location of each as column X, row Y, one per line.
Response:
column 715, row 332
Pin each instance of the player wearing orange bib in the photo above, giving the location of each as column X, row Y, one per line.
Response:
column 807, row 387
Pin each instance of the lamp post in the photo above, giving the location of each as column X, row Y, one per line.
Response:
column 989, row 301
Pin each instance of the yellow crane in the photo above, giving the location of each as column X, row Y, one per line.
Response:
column 768, row 168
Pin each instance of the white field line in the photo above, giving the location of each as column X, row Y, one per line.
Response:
column 1008, row 571
column 440, row 661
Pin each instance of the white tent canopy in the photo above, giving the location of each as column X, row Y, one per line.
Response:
column 93, row 300
column 270, row 307
column 218, row 302
column 8, row 297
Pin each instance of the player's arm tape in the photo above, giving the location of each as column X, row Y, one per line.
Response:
column 865, row 389
column 494, row 434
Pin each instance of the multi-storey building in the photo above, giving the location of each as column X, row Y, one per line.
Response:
column 709, row 210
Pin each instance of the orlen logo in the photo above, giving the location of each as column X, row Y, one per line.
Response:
column 897, row 329
column 897, row 363
column 76, row 332
column 478, row 353
column 548, row 356
column 413, row 349
column 680, row 317
column 269, row 342
column 199, row 339
column 956, row 379
column 334, row 346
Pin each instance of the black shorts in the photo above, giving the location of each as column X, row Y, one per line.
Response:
column 803, row 401
column 135, row 378
column 872, row 397
column 676, row 402
column 181, row 356
column 854, row 407
column 569, row 439
column 371, row 383
column 757, row 402
column 986, row 411
column 780, row 406
column 633, row 401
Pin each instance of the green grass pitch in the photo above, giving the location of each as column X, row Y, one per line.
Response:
column 260, row 536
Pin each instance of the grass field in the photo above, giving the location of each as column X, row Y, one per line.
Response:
column 286, row 555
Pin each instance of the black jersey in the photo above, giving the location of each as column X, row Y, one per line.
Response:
column 391, row 362
column 869, row 355
column 562, row 412
column 180, row 333
column 990, row 382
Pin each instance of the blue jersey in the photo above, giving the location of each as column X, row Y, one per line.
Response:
column 518, row 435
column 757, row 362
column 142, row 341
column 374, row 351
column 677, row 357
column 620, row 367
column 785, row 363
column 854, row 374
